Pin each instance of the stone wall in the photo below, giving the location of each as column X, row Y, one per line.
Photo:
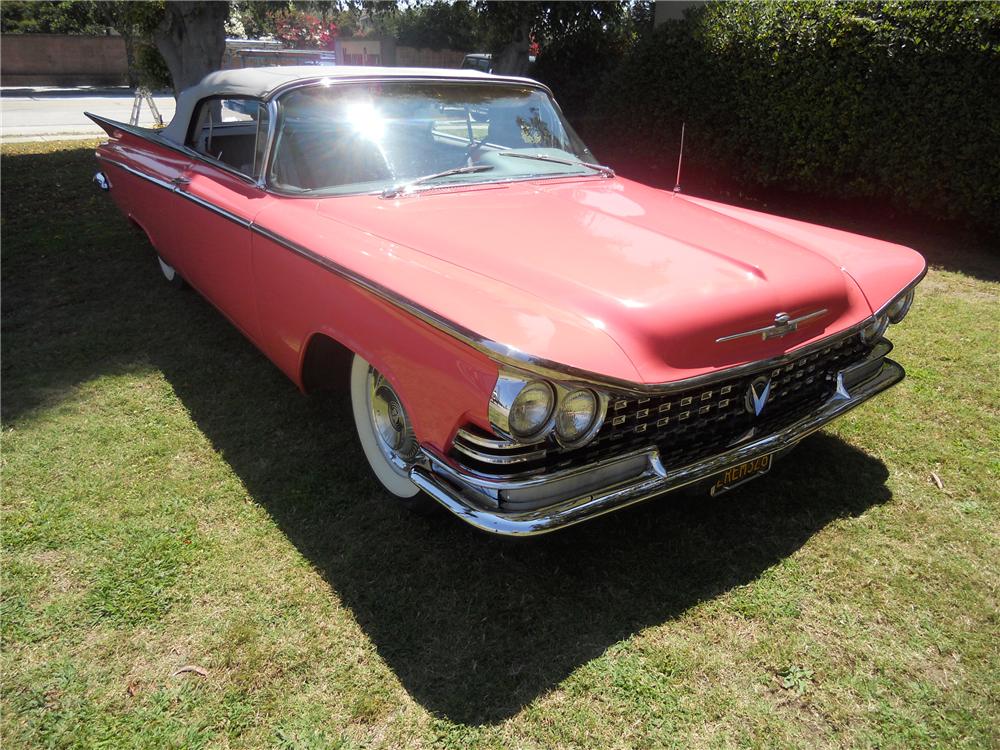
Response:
column 62, row 60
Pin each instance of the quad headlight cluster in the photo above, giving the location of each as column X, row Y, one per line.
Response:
column 894, row 312
column 529, row 410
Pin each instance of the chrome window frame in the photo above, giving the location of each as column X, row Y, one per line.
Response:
column 273, row 111
column 185, row 148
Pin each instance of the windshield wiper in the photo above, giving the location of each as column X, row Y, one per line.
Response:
column 403, row 187
column 604, row 170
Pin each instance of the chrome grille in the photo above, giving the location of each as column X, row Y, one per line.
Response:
column 691, row 424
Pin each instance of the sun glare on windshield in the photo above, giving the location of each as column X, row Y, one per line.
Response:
column 366, row 120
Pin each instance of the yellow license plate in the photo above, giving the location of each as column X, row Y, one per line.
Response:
column 734, row 476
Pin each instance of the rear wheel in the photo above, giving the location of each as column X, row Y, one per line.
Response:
column 386, row 435
column 170, row 274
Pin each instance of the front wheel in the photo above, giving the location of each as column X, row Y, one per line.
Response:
column 386, row 435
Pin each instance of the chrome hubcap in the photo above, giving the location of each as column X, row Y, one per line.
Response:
column 392, row 426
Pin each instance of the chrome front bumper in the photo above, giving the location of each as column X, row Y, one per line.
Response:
column 590, row 491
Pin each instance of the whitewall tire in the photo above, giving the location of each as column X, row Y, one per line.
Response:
column 386, row 434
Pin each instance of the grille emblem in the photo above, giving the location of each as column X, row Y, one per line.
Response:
column 757, row 395
column 782, row 326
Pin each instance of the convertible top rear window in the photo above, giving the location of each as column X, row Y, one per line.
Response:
column 353, row 138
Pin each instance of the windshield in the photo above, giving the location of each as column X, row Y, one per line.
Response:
column 352, row 138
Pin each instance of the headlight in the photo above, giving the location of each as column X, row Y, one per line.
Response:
column 899, row 307
column 531, row 410
column 874, row 330
column 576, row 415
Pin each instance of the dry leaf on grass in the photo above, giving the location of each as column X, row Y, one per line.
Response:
column 200, row 671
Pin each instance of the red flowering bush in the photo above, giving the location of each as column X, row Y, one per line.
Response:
column 300, row 30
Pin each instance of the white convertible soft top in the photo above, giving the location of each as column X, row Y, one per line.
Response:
column 261, row 82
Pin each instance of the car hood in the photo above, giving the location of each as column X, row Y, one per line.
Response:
column 662, row 275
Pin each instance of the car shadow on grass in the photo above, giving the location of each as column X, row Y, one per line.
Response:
column 475, row 627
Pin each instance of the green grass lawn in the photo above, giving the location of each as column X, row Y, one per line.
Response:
column 170, row 499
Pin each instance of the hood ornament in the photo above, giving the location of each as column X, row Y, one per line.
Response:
column 782, row 326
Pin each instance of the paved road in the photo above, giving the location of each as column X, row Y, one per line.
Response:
column 49, row 114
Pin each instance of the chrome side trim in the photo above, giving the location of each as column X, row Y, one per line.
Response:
column 176, row 186
column 236, row 219
column 470, row 503
column 457, row 331
column 132, row 170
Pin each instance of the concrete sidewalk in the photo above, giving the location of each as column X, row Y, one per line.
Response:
column 55, row 114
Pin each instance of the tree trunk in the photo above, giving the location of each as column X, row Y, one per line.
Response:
column 133, row 75
column 192, row 39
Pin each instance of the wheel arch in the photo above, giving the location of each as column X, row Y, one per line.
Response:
column 325, row 364
column 441, row 383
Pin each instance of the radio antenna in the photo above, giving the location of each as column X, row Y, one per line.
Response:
column 680, row 158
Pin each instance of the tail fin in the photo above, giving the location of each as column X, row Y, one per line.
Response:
column 108, row 126
column 114, row 129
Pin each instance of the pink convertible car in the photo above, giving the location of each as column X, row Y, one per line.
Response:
column 530, row 340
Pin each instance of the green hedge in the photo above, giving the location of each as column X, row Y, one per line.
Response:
column 897, row 102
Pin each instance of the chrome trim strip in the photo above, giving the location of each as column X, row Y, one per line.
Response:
column 494, row 483
column 909, row 287
column 272, row 129
column 459, row 497
column 175, row 186
column 132, row 170
column 570, row 375
column 500, row 460
column 488, row 442
column 457, row 331
column 454, row 186
column 213, row 208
